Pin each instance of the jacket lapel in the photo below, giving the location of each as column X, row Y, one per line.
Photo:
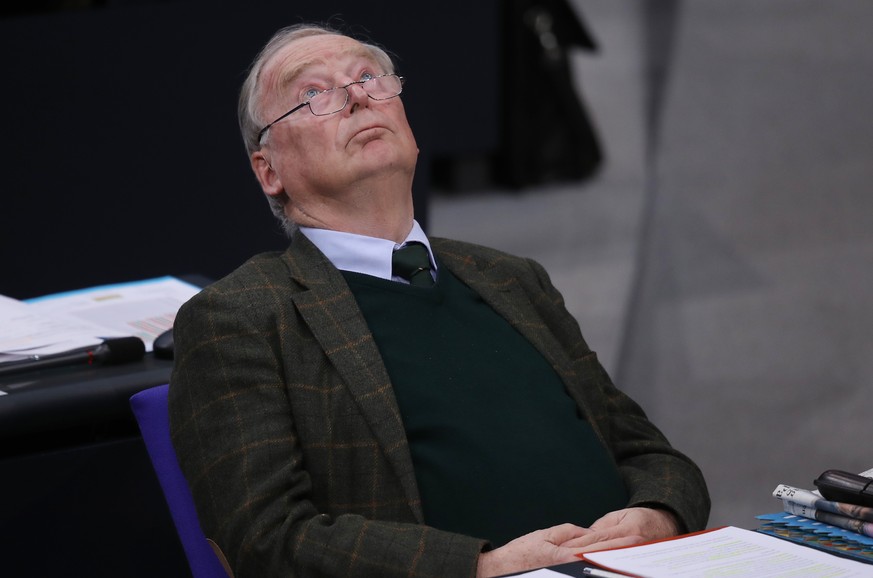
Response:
column 501, row 288
column 503, row 292
column 330, row 310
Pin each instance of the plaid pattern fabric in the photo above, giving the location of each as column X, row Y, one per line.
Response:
column 286, row 426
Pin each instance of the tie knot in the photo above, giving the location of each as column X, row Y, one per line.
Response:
column 412, row 262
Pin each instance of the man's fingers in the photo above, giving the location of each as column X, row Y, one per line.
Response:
column 620, row 542
column 592, row 539
column 560, row 534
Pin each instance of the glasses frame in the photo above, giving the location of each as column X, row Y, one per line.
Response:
column 345, row 104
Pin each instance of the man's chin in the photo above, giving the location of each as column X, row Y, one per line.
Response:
column 374, row 153
column 373, row 160
column 375, row 149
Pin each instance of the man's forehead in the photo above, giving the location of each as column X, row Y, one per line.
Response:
column 307, row 53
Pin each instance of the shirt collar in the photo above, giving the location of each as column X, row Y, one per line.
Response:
column 362, row 254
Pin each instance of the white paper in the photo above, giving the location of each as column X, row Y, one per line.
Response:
column 81, row 319
column 143, row 309
column 27, row 332
column 728, row 552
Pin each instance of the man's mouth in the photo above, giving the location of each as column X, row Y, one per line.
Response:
column 368, row 133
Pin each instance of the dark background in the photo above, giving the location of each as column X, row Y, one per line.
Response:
column 121, row 156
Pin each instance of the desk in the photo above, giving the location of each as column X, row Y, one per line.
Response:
column 572, row 569
column 79, row 493
column 48, row 401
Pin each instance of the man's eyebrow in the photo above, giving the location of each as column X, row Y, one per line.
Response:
column 290, row 75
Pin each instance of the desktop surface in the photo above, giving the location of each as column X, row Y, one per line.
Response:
column 78, row 480
column 53, row 400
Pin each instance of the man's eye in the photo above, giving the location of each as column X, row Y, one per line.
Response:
column 310, row 93
column 367, row 76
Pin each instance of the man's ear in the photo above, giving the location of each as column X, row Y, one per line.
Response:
column 267, row 177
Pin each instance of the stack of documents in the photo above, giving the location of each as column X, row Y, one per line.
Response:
column 78, row 319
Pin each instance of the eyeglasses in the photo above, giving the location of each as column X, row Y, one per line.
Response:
column 335, row 99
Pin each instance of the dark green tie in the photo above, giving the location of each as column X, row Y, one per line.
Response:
column 412, row 262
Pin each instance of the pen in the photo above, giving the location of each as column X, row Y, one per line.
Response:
column 598, row 573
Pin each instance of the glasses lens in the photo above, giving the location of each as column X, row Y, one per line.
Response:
column 328, row 102
column 335, row 99
column 383, row 87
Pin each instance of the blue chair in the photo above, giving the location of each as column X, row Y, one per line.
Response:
column 151, row 412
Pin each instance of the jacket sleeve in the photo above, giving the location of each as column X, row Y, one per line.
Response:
column 655, row 473
column 236, row 438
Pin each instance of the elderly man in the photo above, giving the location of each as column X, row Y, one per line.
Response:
column 346, row 409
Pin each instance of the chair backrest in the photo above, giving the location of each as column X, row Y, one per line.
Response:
column 151, row 412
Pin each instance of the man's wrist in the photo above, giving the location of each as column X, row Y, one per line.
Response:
column 485, row 565
column 676, row 525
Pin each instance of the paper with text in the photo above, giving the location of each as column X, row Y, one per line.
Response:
column 727, row 551
column 27, row 332
column 143, row 309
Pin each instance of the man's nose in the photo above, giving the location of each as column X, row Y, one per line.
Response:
column 357, row 97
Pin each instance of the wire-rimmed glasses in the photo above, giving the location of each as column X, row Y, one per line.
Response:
column 335, row 99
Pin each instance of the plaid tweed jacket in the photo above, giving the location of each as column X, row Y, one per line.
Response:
column 286, row 426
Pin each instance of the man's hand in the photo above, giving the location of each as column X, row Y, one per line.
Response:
column 534, row 550
column 625, row 528
column 560, row 544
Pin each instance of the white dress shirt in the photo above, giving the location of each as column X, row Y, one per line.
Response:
column 362, row 254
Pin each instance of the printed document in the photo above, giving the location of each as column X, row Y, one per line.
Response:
column 26, row 332
column 77, row 319
column 726, row 551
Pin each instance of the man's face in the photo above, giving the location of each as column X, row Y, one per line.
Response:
column 325, row 156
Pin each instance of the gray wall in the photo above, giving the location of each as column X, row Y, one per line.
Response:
column 751, row 339
column 722, row 261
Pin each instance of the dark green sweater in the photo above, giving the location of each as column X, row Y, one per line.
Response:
column 498, row 445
